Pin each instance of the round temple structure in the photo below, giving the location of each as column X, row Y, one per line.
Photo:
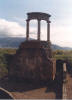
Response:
column 33, row 60
column 38, row 16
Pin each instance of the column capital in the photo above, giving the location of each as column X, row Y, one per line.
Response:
column 28, row 20
column 48, row 22
column 39, row 20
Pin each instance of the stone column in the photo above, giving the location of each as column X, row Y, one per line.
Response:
column 27, row 30
column 48, row 31
column 38, row 29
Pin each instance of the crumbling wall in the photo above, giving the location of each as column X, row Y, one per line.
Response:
column 32, row 62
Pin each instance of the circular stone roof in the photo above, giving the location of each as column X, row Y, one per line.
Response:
column 38, row 15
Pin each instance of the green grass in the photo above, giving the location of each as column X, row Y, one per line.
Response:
column 63, row 55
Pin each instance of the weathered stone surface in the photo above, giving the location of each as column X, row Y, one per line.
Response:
column 33, row 61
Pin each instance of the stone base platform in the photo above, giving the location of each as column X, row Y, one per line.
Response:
column 33, row 61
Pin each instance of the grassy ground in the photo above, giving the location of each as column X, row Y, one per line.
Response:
column 63, row 55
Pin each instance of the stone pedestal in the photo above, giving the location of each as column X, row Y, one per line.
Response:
column 33, row 62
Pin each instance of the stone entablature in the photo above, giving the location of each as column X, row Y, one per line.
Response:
column 39, row 16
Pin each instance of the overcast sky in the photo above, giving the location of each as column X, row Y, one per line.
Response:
column 13, row 16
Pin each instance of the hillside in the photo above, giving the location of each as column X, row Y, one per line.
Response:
column 56, row 47
column 14, row 42
column 10, row 42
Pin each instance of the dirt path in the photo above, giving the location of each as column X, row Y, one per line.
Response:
column 33, row 90
column 35, row 94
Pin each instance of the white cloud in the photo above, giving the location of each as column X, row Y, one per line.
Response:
column 19, row 20
column 61, row 32
column 13, row 29
column 8, row 28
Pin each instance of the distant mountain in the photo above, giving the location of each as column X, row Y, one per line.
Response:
column 10, row 42
column 14, row 42
column 56, row 47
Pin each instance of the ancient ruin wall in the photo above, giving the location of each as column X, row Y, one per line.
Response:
column 33, row 61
